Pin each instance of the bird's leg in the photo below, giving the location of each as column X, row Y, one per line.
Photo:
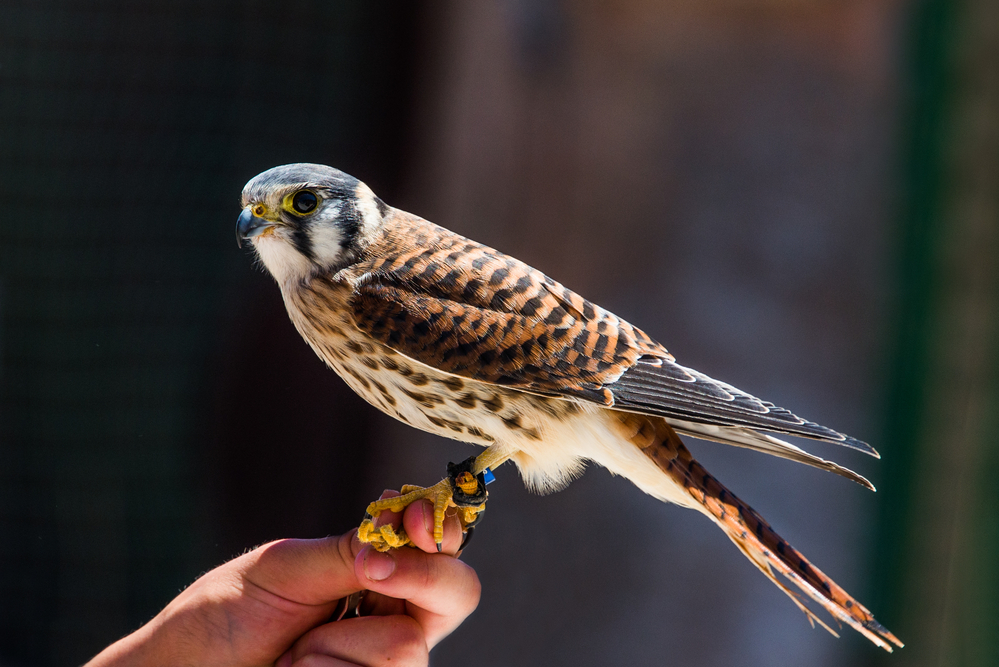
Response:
column 470, row 508
column 463, row 488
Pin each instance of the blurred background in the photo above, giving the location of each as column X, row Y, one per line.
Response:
column 799, row 197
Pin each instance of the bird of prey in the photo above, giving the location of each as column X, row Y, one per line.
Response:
column 461, row 340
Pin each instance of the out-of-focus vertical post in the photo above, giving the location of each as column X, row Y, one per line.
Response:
column 939, row 535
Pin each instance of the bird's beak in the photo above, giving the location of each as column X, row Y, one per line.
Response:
column 249, row 225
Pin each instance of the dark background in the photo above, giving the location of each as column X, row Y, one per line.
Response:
column 800, row 198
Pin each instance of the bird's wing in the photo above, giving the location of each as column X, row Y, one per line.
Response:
column 664, row 387
column 469, row 310
column 762, row 442
column 474, row 312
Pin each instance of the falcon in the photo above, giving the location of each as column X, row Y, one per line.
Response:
column 458, row 339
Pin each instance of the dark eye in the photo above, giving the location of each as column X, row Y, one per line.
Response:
column 304, row 201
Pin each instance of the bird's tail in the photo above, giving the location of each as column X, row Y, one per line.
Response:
column 767, row 550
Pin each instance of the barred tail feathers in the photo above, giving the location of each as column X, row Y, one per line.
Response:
column 769, row 552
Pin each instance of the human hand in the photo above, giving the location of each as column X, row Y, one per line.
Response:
column 272, row 604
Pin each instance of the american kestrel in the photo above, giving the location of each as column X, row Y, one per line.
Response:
column 458, row 339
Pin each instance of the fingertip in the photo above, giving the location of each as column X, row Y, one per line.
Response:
column 418, row 521
column 427, row 514
column 389, row 517
column 452, row 534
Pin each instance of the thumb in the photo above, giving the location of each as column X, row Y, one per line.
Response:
column 311, row 572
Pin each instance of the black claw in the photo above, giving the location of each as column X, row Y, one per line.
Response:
column 469, row 529
column 367, row 516
column 438, row 547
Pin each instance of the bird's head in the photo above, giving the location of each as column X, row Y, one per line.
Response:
column 304, row 219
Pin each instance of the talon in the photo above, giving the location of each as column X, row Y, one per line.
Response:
column 462, row 489
column 384, row 537
column 467, row 537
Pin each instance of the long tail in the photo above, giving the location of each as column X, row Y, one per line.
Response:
column 767, row 550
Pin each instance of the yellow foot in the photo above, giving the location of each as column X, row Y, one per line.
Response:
column 459, row 489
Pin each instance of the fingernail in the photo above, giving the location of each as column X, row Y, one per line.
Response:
column 378, row 566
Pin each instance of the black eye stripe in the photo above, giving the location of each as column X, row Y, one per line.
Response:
column 304, row 201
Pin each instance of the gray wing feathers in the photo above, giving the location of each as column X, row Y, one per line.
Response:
column 665, row 388
column 761, row 442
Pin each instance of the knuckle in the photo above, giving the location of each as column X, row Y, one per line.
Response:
column 406, row 643
column 458, row 580
column 344, row 548
column 472, row 594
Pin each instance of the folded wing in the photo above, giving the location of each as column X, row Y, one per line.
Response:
column 471, row 311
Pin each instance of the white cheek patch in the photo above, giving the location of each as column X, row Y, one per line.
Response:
column 371, row 218
column 326, row 239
